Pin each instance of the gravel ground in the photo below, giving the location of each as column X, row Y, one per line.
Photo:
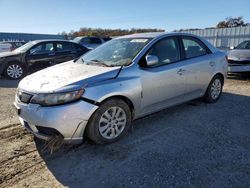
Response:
column 190, row 145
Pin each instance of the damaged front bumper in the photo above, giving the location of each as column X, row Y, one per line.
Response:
column 68, row 120
column 238, row 66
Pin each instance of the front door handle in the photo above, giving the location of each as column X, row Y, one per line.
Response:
column 212, row 63
column 180, row 71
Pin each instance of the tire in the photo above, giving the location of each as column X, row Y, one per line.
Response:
column 15, row 71
column 214, row 89
column 105, row 127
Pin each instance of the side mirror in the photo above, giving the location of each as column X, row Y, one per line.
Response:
column 152, row 60
column 231, row 47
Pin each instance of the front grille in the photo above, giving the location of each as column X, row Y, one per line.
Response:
column 24, row 97
column 232, row 62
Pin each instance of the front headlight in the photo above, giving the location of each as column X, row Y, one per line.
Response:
column 49, row 99
column 233, row 58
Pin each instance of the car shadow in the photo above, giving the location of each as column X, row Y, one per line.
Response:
column 178, row 146
column 4, row 83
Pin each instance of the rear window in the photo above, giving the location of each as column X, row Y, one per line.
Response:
column 64, row 46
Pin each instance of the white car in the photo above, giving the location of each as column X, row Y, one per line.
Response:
column 239, row 58
column 89, row 42
column 5, row 47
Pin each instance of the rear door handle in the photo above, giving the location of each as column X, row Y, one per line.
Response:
column 180, row 71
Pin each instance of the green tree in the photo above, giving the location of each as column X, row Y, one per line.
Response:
column 231, row 22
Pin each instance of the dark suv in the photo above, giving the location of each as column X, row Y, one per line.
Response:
column 36, row 55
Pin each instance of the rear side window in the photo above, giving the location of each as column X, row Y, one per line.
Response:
column 167, row 51
column 193, row 48
column 64, row 46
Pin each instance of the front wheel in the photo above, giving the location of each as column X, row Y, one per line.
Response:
column 15, row 71
column 214, row 89
column 110, row 122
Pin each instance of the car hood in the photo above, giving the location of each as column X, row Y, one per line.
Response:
column 7, row 54
column 239, row 53
column 65, row 77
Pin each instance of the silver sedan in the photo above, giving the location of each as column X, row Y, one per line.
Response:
column 239, row 58
column 99, row 94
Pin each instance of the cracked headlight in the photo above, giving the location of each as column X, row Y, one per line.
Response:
column 49, row 99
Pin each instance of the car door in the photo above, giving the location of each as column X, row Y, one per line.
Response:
column 198, row 65
column 40, row 56
column 65, row 51
column 162, row 84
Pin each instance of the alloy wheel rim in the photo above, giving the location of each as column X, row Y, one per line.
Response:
column 14, row 71
column 112, row 122
column 216, row 89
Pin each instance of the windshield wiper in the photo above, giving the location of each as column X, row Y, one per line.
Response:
column 98, row 62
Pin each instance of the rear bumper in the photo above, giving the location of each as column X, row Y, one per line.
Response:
column 68, row 120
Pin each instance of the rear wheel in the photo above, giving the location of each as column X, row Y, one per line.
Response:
column 15, row 71
column 110, row 122
column 214, row 89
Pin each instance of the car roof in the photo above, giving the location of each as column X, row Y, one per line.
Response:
column 50, row 40
column 156, row 35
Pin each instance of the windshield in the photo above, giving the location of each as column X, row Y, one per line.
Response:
column 116, row 52
column 77, row 39
column 244, row 45
column 25, row 47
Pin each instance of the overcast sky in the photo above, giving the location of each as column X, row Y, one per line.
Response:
column 53, row 16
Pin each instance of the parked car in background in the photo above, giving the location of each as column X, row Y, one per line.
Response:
column 8, row 46
column 36, row 55
column 91, row 42
column 16, row 44
column 126, row 78
column 239, row 58
column 5, row 47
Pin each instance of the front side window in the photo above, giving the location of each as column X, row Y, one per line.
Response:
column 42, row 49
column 192, row 48
column 116, row 52
column 167, row 51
